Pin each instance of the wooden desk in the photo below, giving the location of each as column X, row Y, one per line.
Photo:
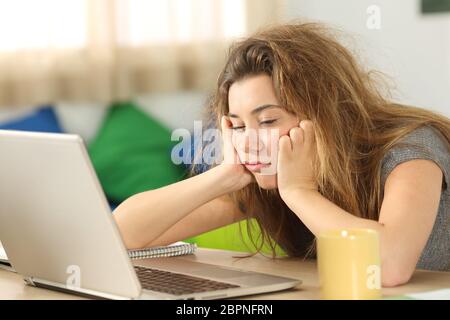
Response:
column 13, row 287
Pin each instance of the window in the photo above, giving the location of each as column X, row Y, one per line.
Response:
column 104, row 50
column 31, row 24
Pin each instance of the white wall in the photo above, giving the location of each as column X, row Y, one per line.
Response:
column 412, row 48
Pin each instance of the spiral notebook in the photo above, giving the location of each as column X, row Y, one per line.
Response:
column 176, row 249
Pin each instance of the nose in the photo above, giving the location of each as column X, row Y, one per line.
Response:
column 250, row 142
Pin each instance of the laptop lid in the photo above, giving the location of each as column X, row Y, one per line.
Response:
column 55, row 223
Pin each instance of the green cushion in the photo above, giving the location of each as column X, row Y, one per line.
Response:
column 131, row 153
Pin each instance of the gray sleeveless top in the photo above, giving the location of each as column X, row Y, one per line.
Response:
column 427, row 143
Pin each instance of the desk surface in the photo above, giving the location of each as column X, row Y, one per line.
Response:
column 13, row 287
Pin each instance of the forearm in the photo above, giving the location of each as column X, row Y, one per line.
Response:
column 320, row 214
column 145, row 216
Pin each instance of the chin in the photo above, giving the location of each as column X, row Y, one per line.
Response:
column 267, row 182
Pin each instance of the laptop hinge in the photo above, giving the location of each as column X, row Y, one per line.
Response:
column 29, row 281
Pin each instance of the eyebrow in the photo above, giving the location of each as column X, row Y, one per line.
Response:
column 256, row 110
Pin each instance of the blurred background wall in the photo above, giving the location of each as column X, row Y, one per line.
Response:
column 410, row 46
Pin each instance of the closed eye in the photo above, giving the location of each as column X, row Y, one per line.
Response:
column 268, row 121
column 238, row 128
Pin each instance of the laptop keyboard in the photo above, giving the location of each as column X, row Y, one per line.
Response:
column 176, row 283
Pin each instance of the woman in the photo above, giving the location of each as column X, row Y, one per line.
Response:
column 346, row 157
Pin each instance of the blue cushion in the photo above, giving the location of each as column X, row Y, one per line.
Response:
column 41, row 120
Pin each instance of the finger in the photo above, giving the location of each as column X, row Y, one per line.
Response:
column 226, row 131
column 297, row 137
column 308, row 130
column 229, row 152
column 284, row 145
column 226, row 136
column 284, row 150
column 225, row 123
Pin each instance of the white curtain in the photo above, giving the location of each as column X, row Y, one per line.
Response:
column 106, row 50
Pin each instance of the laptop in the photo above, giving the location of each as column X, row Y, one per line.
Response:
column 58, row 231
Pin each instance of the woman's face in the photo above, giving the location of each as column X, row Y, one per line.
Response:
column 258, row 122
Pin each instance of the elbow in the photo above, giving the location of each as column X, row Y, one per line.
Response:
column 125, row 228
column 395, row 280
column 395, row 274
column 134, row 245
column 130, row 242
column 398, row 261
column 127, row 237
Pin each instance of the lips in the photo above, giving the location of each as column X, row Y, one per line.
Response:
column 256, row 166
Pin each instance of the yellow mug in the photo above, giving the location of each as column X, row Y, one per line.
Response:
column 349, row 264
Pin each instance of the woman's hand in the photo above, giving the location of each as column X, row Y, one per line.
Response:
column 296, row 155
column 234, row 175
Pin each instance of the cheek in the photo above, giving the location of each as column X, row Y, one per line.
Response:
column 271, row 137
column 285, row 130
column 238, row 142
column 269, row 151
column 271, row 140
